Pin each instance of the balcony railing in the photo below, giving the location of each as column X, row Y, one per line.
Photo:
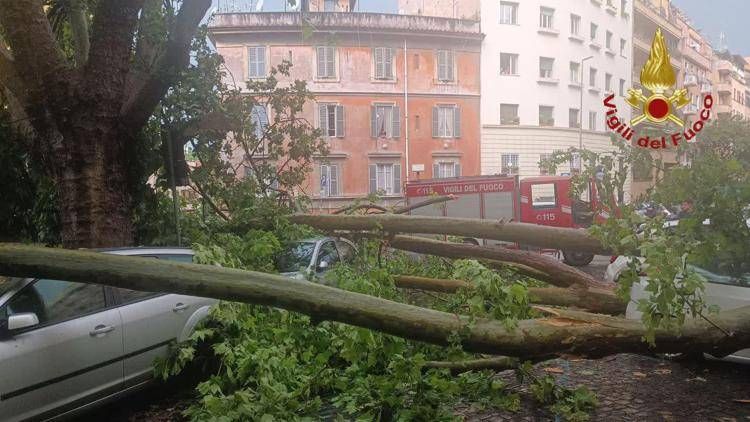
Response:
column 691, row 80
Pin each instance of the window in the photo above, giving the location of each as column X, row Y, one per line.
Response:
column 543, row 195
column 509, row 114
column 622, row 87
column 508, row 64
column 256, row 62
column 508, row 13
column 575, row 25
column 546, row 17
column 55, row 301
column 623, row 44
column 385, row 121
column 592, row 77
column 329, row 180
column 544, row 160
column 385, row 178
column 608, row 40
column 575, row 72
column 546, row 116
column 509, row 163
column 594, row 28
column 445, row 169
column 329, row 6
column 592, row 120
column 326, row 57
column 383, row 58
column 574, row 118
column 546, row 65
column 446, row 121
column 130, row 296
column 259, row 118
column 608, row 82
column 445, row 65
column 266, row 177
column 331, row 120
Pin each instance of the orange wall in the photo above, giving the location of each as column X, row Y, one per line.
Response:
column 356, row 89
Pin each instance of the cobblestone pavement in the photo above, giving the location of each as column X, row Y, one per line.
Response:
column 639, row 388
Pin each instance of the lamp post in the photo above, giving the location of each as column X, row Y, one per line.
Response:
column 580, row 109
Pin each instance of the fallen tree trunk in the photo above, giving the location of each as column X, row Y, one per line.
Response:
column 565, row 332
column 559, row 274
column 352, row 208
column 600, row 301
column 529, row 234
column 498, row 363
column 427, row 202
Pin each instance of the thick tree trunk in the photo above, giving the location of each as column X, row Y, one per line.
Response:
column 565, row 332
column 529, row 234
column 600, row 301
column 559, row 274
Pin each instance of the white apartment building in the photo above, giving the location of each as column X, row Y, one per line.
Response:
column 533, row 76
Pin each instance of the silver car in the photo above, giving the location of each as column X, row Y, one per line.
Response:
column 65, row 346
column 311, row 258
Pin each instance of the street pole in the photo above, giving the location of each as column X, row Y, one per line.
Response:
column 580, row 109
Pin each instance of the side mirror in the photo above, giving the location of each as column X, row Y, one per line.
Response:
column 23, row 320
column 322, row 265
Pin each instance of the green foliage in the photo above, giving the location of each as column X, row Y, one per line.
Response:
column 572, row 405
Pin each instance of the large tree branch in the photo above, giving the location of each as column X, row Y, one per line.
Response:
column 36, row 59
column 169, row 65
column 111, row 50
column 8, row 77
column 79, row 28
column 565, row 332
column 531, row 234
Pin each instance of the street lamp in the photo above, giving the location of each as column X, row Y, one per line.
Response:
column 580, row 109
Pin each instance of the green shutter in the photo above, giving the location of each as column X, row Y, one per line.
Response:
column 457, row 122
column 373, row 122
column 373, row 178
column 435, row 127
column 396, row 127
column 397, row 179
column 339, row 121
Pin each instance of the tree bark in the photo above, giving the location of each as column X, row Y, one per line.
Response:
column 427, row 202
column 592, row 300
column 559, row 274
column 564, row 332
column 528, row 234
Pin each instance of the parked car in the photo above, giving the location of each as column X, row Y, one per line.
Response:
column 728, row 292
column 310, row 259
column 66, row 346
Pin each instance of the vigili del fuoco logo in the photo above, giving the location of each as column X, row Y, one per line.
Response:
column 658, row 77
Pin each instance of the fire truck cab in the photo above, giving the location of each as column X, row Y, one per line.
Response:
column 543, row 200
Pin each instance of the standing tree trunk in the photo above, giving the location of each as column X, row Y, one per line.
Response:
column 87, row 113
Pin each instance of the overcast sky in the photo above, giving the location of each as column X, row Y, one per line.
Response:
column 717, row 16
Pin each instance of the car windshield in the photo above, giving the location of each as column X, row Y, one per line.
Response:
column 296, row 256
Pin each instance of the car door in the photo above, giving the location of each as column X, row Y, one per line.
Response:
column 70, row 357
column 330, row 255
column 151, row 321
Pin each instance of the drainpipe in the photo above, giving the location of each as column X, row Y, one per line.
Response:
column 406, row 109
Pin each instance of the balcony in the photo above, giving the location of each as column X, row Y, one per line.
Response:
column 611, row 8
column 658, row 16
column 706, row 88
column 691, row 80
column 723, row 108
column 229, row 22
column 696, row 57
column 724, row 66
column 690, row 109
column 724, row 87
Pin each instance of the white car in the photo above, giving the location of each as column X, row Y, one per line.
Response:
column 66, row 347
column 725, row 291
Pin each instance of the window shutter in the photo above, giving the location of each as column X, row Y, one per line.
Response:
column 373, row 178
column 373, row 122
column 436, row 171
column 441, row 65
column 449, row 65
column 457, row 170
column 396, row 116
column 252, row 58
column 435, row 122
column 339, row 121
column 397, row 179
column 323, row 118
column 388, row 66
column 321, row 62
column 334, row 180
column 330, row 62
column 457, row 122
column 324, row 180
column 378, row 56
column 261, row 61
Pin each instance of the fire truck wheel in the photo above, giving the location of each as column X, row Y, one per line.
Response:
column 577, row 259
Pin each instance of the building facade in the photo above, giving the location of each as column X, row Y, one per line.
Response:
column 546, row 68
column 396, row 96
column 731, row 82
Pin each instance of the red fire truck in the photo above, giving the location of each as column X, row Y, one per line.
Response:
column 541, row 200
